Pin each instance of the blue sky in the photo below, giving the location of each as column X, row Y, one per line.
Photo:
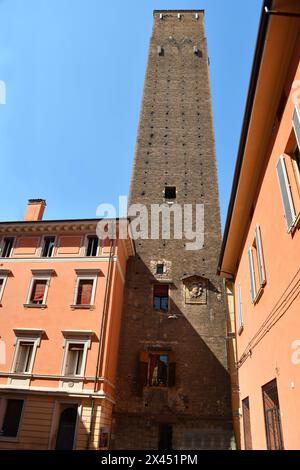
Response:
column 74, row 73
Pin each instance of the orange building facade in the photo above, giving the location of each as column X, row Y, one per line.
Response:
column 61, row 292
column 260, row 257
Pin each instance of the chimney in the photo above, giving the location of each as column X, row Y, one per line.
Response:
column 35, row 209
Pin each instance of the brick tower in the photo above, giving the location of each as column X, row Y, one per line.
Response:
column 173, row 386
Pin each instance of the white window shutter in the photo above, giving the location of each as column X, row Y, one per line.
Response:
column 260, row 257
column 286, row 194
column 240, row 307
column 296, row 124
column 252, row 275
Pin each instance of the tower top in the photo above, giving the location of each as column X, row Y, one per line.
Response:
column 177, row 11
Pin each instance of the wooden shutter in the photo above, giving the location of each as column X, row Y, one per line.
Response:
column 38, row 291
column 239, row 307
column 172, row 369
column 252, row 274
column 296, row 124
column 247, row 424
column 85, row 288
column 260, row 257
column 161, row 290
column 286, row 194
column 143, row 368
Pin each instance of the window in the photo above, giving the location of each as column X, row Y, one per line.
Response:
column 38, row 292
column 247, row 424
column 256, row 266
column 74, row 360
column 170, row 192
column 296, row 124
column 12, row 417
column 286, row 195
column 161, row 297
column 240, row 309
column 159, row 268
column 7, row 246
column 157, row 369
column 48, row 247
column 92, row 246
column 24, row 357
column 272, row 416
column 84, row 291
column 3, row 280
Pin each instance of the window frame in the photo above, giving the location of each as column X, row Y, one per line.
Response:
column 86, row 342
column 87, row 277
column 86, row 243
column 35, row 278
column 27, row 339
column 281, row 162
column 240, row 316
column 2, row 244
column 3, row 408
column 168, row 297
column 43, row 243
column 2, row 288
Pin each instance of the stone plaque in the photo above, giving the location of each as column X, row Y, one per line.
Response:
column 195, row 290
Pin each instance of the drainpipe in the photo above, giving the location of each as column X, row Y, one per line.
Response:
column 101, row 335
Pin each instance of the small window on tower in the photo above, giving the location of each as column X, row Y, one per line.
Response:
column 161, row 297
column 159, row 269
column 170, row 192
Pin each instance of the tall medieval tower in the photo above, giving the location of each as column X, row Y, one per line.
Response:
column 173, row 385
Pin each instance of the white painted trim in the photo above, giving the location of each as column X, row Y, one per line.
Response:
column 2, row 246
column 28, row 339
column 42, row 241
column 88, row 277
column 38, row 278
column 55, row 391
column 85, row 245
column 3, row 285
column 281, row 161
column 67, row 342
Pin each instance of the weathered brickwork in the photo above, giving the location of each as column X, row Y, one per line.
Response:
column 175, row 147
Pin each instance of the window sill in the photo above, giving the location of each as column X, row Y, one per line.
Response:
column 82, row 307
column 35, row 305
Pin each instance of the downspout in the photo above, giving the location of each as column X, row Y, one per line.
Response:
column 101, row 335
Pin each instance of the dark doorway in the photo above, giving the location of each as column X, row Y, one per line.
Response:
column 66, row 429
column 165, row 437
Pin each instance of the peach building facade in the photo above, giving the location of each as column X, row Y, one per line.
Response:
column 260, row 256
column 61, row 292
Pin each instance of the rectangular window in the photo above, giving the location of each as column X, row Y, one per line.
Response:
column 85, row 291
column 92, row 246
column 260, row 257
column 157, row 369
column 252, row 274
column 2, row 285
column 247, row 424
column 7, row 246
column 240, row 309
column 170, row 192
column 12, row 418
column 74, row 360
column 48, row 247
column 24, row 357
column 272, row 416
column 161, row 297
column 38, row 292
column 159, row 269
column 286, row 195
